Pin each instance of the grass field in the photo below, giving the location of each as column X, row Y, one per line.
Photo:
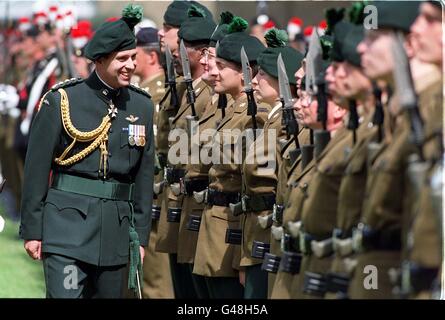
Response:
column 20, row 276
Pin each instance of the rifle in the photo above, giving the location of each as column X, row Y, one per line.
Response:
column 191, row 98
column 378, row 116
column 248, row 89
column 315, row 85
column 69, row 49
column 353, row 120
column 171, row 78
column 222, row 98
column 288, row 108
column 407, row 95
column 222, row 104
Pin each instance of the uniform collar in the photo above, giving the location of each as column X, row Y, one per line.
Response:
column 103, row 90
column 277, row 106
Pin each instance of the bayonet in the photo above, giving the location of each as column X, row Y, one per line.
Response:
column 315, row 85
column 171, row 78
column 248, row 89
column 222, row 98
column 191, row 98
column 286, row 96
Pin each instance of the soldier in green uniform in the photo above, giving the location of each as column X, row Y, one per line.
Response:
column 94, row 215
column 217, row 252
column 377, row 237
column 263, row 160
column 157, row 276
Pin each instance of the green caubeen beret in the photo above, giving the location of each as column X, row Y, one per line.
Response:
column 221, row 30
column 230, row 46
column 346, row 38
column 435, row 3
column 277, row 41
column 398, row 15
column 177, row 12
column 197, row 27
column 115, row 35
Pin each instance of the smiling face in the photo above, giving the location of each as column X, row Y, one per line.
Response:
column 117, row 68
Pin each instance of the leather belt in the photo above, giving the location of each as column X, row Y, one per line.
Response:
column 223, row 199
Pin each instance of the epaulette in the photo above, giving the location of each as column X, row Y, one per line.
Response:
column 66, row 83
column 136, row 88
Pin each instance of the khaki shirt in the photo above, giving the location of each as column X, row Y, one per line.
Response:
column 214, row 257
column 260, row 175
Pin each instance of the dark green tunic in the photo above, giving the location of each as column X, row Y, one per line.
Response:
column 87, row 228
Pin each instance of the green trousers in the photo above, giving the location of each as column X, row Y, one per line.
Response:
column 256, row 283
column 182, row 279
column 224, row 288
column 69, row 278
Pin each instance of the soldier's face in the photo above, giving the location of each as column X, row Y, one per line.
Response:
column 298, row 78
column 308, row 113
column 168, row 35
column 118, row 68
column 298, row 110
column 427, row 32
column 266, row 87
column 354, row 84
column 194, row 54
column 81, row 65
column 334, row 77
column 376, row 57
column 228, row 77
column 45, row 40
column 208, row 61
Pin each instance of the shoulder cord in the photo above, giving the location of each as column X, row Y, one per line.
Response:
column 99, row 136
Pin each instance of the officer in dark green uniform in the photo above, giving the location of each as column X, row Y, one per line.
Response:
column 94, row 138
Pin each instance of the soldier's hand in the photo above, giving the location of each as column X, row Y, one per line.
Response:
column 242, row 277
column 142, row 252
column 34, row 249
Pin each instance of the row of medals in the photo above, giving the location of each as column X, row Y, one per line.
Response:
column 138, row 138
